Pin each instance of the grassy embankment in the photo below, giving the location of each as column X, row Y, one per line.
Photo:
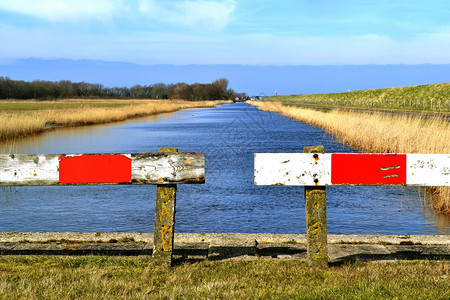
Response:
column 430, row 98
column 379, row 133
column 22, row 118
column 28, row 277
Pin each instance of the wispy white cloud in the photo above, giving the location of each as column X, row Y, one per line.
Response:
column 67, row 10
column 197, row 48
column 205, row 14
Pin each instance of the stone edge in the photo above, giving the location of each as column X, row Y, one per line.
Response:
column 228, row 239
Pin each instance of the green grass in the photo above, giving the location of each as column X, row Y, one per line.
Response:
column 32, row 277
column 432, row 97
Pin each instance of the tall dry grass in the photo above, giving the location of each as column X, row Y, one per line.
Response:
column 12, row 127
column 17, row 124
column 379, row 133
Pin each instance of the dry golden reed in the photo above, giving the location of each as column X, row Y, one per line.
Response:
column 17, row 124
column 379, row 133
column 12, row 127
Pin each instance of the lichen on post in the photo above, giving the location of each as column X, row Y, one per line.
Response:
column 164, row 219
column 316, row 219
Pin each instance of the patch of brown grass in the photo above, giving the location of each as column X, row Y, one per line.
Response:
column 379, row 133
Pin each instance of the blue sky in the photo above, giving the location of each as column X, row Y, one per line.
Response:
column 250, row 32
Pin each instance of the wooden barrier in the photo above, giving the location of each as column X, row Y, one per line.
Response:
column 315, row 170
column 166, row 169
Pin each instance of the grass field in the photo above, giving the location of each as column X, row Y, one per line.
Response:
column 379, row 133
column 26, row 106
column 28, row 277
column 23, row 118
column 432, row 98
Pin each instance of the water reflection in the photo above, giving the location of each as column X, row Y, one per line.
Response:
column 83, row 139
column 228, row 202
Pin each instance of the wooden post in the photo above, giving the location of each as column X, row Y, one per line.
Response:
column 316, row 219
column 164, row 219
column 315, row 170
column 167, row 168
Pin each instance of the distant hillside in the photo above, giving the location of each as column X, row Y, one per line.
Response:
column 254, row 80
column 434, row 97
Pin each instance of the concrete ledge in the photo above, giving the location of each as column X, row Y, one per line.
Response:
column 218, row 238
column 219, row 246
column 49, row 237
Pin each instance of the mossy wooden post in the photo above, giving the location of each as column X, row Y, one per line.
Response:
column 316, row 219
column 164, row 219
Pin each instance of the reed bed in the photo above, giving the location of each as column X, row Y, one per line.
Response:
column 12, row 127
column 15, row 123
column 379, row 133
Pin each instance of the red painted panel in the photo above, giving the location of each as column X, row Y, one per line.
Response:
column 109, row 168
column 368, row 169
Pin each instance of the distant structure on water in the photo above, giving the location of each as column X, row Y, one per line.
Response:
column 261, row 95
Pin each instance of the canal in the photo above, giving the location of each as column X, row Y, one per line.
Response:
column 228, row 135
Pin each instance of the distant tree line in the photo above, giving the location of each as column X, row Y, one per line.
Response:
column 65, row 89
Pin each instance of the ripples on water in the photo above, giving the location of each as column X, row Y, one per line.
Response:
column 228, row 202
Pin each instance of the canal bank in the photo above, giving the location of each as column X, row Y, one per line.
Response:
column 225, row 246
column 19, row 119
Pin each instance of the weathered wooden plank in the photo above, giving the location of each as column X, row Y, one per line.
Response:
column 306, row 169
column 428, row 169
column 292, row 169
column 57, row 169
column 167, row 168
column 111, row 168
column 368, row 169
column 39, row 169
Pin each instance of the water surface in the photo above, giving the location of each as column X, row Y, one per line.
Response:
column 229, row 136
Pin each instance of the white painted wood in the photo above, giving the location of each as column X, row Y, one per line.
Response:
column 428, row 169
column 146, row 168
column 301, row 169
column 292, row 169
column 40, row 169
column 166, row 168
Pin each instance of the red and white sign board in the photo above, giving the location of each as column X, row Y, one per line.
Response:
column 311, row 169
column 136, row 168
